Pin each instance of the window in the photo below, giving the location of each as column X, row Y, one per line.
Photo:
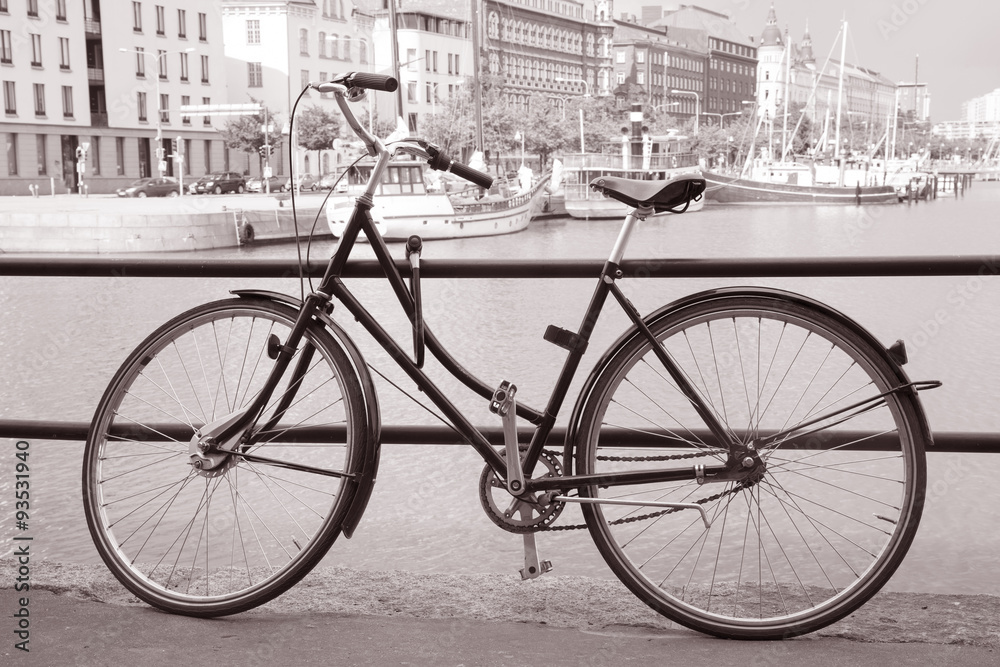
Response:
column 206, row 120
column 334, row 42
column 36, row 50
column 40, row 152
column 347, row 47
column 411, row 91
column 184, row 67
column 187, row 157
column 208, row 156
column 33, row 8
column 3, row 7
column 363, row 52
column 162, row 62
column 620, row 56
column 9, row 99
column 640, row 56
column 141, row 106
column 136, row 17
column 621, row 77
column 304, row 79
column 202, row 27
column 435, row 54
column 303, row 42
column 185, row 101
column 140, row 63
column 67, row 100
column 254, row 75
column 39, row 99
column 204, row 69
column 411, row 59
column 427, row 60
column 64, row 53
column 95, row 155
column 182, row 23
column 640, row 78
column 60, row 10
column 161, row 20
column 6, row 49
column 120, row 155
column 12, row 154
column 253, row 31
column 164, row 108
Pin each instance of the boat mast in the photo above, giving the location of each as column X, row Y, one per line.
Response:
column 840, row 88
column 394, row 46
column 788, row 76
column 477, row 90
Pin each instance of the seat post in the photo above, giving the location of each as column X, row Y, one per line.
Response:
column 628, row 226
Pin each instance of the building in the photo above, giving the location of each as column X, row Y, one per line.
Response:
column 90, row 96
column 730, row 61
column 983, row 108
column 789, row 74
column 648, row 66
column 275, row 48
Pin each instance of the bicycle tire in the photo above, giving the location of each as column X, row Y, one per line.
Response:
column 212, row 543
column 825, row 526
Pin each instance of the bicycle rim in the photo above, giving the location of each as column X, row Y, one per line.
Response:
column 213, row 542
column 832, row 515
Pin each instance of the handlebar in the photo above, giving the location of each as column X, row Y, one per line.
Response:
column 341, row 87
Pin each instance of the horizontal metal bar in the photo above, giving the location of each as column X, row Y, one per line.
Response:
column 100, row 266
column 952, row 441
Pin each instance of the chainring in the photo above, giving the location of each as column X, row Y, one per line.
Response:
column 519, row 516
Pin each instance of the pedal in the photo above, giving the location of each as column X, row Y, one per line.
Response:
column 503, row 404
column 533, row 568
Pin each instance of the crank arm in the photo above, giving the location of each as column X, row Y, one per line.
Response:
column 533, row 567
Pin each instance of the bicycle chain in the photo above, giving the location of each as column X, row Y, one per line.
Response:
column 671, row 510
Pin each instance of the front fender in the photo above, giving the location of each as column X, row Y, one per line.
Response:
column 370, row 449
column 572, row 431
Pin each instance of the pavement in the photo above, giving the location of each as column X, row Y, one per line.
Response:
column 79, row 615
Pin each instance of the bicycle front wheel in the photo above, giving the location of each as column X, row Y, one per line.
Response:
column 210, row 542
column 792, row 549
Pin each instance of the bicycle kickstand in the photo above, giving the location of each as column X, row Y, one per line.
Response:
column 503, row 404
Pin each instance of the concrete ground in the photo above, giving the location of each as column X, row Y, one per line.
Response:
column 336, row 616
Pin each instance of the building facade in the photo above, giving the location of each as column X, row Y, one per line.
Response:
column 84, row 90
column 788, row 72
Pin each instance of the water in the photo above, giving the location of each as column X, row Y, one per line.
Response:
column 63, row 338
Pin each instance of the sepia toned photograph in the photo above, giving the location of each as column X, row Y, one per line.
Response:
column 499, row 332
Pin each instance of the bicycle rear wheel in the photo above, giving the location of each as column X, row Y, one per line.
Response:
column 220, row 541
column 834, row 512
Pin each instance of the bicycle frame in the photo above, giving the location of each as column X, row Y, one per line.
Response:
column 331, row 286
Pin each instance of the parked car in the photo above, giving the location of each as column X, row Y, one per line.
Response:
column 275, row 184
column 226, row 181
column 327, row 182
column 152, row 187
column 306, row 182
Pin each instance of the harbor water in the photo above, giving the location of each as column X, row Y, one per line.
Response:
column 63, row 338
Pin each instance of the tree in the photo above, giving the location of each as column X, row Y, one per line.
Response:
column 246, row 133
column 317, row 129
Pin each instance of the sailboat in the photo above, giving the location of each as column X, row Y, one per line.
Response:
column 765, row 180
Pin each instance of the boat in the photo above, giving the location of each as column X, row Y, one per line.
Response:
column 640, row 156
column 764, row 179
column 793, row 183
column 413, row 199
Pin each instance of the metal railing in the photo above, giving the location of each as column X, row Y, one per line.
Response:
column 127, row 267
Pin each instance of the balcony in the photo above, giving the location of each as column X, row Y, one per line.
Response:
column 95, row 75
column 98, row 119
column 92, row 27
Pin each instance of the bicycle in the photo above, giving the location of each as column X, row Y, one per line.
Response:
column 748, row 461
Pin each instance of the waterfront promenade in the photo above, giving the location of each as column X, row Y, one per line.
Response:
column 81, row 616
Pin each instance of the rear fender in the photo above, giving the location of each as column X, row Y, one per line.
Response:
column 370, row 449
column 573, row 429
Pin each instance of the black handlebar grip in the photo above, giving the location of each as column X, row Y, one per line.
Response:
column 471, row 175
column 373, row 82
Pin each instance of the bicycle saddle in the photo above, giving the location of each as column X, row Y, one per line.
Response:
column 663, row 196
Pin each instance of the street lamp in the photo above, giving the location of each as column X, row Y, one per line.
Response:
column 160, row 164
column 665, row 104
column 586, row 84
column 518, row 136
column 697, row 105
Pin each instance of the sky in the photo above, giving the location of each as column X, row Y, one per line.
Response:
column 957, row 40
